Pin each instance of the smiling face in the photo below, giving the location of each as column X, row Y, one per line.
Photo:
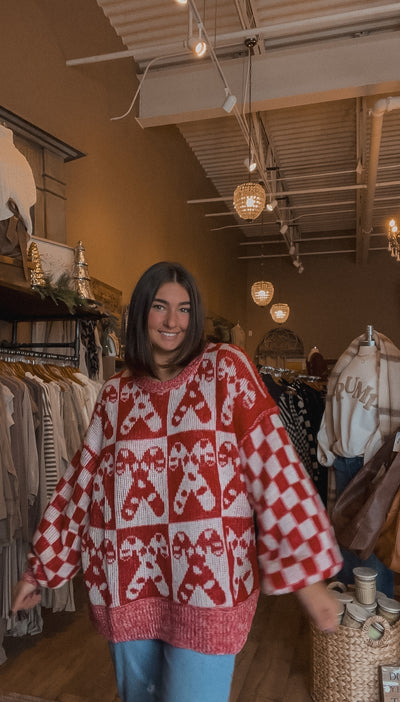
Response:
column 168, row 321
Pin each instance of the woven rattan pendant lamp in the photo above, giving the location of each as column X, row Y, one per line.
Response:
column 262, row 291
column 249, row 198
column 280, row 312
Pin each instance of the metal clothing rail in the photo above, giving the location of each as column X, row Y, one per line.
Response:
column 8, row 353
column 15, row 348
column 272, row 370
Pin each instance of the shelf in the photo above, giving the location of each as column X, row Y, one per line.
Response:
column 18, row 302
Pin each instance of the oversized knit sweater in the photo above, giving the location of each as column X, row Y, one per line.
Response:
column 158, row 508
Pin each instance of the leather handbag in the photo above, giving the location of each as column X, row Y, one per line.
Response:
column 361, row 510
column 387, row 547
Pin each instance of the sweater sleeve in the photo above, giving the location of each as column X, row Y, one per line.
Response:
column 56, row 547
column 326, row 437
column 296, row 544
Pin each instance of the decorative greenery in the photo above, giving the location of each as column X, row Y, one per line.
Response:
column 62, row 291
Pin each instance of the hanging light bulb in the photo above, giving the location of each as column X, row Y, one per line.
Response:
column 280, row 312
column 262, row 293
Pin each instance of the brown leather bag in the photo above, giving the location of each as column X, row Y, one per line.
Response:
column 361, row 510
column 387, row 547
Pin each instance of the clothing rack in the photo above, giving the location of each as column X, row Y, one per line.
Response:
column 8, row 350
column 272, row 370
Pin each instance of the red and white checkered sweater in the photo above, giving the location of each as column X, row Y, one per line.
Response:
column 158, row 508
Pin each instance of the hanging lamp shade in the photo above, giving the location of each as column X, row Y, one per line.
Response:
column 262, row 293
column 249, row 200
column 280, row 312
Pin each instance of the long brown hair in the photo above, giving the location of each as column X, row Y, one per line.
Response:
column 138, row 351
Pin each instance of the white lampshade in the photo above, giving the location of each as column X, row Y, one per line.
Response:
column 262, row 293
column 249, row 200
column 280, row 312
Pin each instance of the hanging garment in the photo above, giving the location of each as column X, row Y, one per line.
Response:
column 301, row 407
column 358, row 417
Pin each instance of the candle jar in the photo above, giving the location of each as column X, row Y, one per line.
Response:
column 341, row 608
column 390, row 609
column 354, row 616
column 371, row 609
column 344, row 597
column 365, row 582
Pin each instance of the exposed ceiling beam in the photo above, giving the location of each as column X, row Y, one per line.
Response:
column 282, row 78
column 344, row 20
column 311, row 253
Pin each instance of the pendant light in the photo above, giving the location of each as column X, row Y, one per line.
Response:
column 262, row 292
column 280, row 312
column 249, row 198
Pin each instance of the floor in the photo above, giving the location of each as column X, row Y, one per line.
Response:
column 69, row 662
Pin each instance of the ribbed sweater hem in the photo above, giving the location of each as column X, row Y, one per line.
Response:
column 210, row 630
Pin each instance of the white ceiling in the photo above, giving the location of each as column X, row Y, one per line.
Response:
column 318, row 72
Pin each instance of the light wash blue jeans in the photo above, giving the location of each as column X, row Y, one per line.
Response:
column 154, row 671
column 345, row 470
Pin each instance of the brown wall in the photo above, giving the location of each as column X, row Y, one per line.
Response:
column 126, row 199
column 332, row 302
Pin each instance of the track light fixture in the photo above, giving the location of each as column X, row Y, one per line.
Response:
column 292, row 249
column 181, row 2
column 250, row 164
column 284, row 228
column 271, row 205
column 229, row 102
column 197, row 45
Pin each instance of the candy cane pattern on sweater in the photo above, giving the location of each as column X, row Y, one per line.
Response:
column 159, row 507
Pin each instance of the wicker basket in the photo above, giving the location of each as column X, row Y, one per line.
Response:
column 345, row 663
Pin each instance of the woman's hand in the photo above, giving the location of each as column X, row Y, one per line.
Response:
column 321, row 605
column 25, row 596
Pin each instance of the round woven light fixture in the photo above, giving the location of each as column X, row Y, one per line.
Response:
column 249, row 200
column 280, row 312
column 262, row 293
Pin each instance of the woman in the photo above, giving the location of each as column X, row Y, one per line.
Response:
column 184, row 447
